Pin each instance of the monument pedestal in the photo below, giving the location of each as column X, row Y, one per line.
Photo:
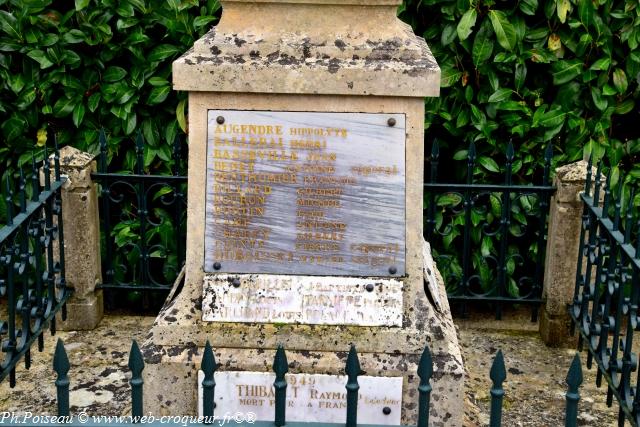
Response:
column 255, row 82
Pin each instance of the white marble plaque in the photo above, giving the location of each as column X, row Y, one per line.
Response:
column 305, row 193
column 310, row 398
column 302, row 299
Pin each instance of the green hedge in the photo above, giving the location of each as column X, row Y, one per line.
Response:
column 77, row 67
column 530, row 70
column 535, row 71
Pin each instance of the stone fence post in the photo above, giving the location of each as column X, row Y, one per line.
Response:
column 563, row 246
column 81, row 240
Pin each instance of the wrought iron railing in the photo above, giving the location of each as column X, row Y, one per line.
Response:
column 497, row 374
column 32, row 269
column 607, row 291
column 142, row 220
column 489, row 240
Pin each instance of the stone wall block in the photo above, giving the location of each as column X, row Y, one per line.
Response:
column 563, row 245
column 81, row 240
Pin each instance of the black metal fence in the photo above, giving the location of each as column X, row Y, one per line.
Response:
column 142, row 220
column 32, row 269
column 489, row 240
column 498, row 375
column 607, row 291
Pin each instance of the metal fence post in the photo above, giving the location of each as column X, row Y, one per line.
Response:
column 136, row 365
column 280, row 367
column 563, row 245
column 352, row 370
column 574, row 380
column 425, row 371
column 209, row 367
column 61, row 367
column 81, row 241
column 498, row 374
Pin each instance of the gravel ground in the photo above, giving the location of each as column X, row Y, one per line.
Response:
column 98, row 374
column 534, row 387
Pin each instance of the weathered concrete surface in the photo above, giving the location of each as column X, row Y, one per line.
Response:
column 81, row 240
column 563, row 245
column 174, row 349
column 180, row 325
column 534, row 387
column 310, row 47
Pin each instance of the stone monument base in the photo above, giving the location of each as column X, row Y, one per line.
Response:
column 174, row 348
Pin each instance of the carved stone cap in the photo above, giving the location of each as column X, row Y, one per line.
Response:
column 72, row 158
column 310, row 46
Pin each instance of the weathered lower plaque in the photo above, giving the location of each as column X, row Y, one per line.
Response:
column 302, row 299
column 305, row 193
column 310, row 398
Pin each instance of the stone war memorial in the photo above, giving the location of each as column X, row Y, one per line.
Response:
column 306, row 130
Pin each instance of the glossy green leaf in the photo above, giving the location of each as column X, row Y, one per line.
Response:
column 448, row 35
column 158, row 81
column 601, row 64
column 500, row 95
column 625, row 106
column 40, row 57
column 10, row 25
column 49, row 39
column 130, row 124
column 12, row 128
column 73, row 36
column 520, row 76
column 482, row 45
column 586, row 12
column 158, row 94
column 93, row 102
column 503, row 29
column 125, row 9
column 63, row 107
column 71, row 59
column 81, row 4
column 203, row 21
column 460, row 155
column 565, row 71
column 529, row 7
column 620, row 80
column 600, row 102
column 466, row 23
column 114, row 74
column 78, row 114
column 180, row 115
column 449, row 199
column 162, row 52
column 549, row 119
column 449, row 76
column 489, row 164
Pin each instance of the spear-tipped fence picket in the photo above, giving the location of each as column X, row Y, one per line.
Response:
column 498, row 375
column 607, row 291
column 32, row 268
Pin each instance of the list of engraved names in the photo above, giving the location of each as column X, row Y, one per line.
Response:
column 305, row 193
